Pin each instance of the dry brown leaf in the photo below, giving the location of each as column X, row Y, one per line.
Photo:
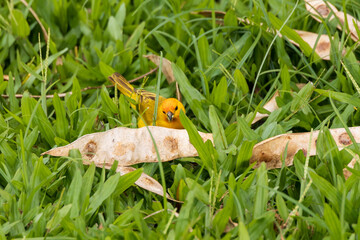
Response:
column 132, row 145
column 351, row 164
column 323, row 45
column 129, row 146
column 145, row 181
column 230, row 226
column 321, row 9
column 59, row 61
column 178, row 94
column 322, row 48
column 351, row 23
column 166, row 66
column 271, row 150
column 166, row 69
column 271, row 105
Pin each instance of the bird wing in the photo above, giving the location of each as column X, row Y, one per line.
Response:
column 144, row 99
column 147, row 104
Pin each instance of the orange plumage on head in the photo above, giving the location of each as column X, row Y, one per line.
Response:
column 168, row 114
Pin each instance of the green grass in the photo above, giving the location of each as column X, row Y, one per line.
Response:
column 225, row 73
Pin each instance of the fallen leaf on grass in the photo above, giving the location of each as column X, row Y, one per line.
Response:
column 321, row 9
column 145, row 181
column 351, row 164
column 166, row 70
column 166, row 66
column 130, row 146
column 6, row 77
column 271, row 105
column 230, row 226
column 323, row 45
column 271, row 150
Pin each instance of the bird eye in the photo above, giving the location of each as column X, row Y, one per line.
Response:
column 164, row 112
column 176, row 108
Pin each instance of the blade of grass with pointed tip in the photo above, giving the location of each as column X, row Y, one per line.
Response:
column 217, row 129
column 127, row 181
column 107, row 101
column 244, row 155
column 61, row 123
column 134, row 38
column 301, row 99
column 45, row 127
column 194, row 98
column 227, row 57
column 341, row 97
column 333, row 223
column 87, row 179
column 59, row 216
column 240, row 81
column 334, row 196
column 196, row 140
column 128, row 215
column 291, row 34
column 103, row 193
column 259, row 225
column 200, row 193
column 261, row 196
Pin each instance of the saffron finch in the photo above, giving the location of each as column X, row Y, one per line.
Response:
column 168, row 112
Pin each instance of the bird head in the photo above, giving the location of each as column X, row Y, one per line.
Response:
column 169, row 113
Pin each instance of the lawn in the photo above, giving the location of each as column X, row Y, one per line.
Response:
column 228, row 58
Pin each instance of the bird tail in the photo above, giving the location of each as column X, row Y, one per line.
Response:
column 122, row 84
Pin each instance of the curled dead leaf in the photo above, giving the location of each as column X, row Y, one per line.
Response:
column 131, row 146
column 166, row 66
column 59, row 61
column 321, row 9
column 230, row 225
column 271, row 150
column 166, row 70
column 146, row 182
column 351, row 164
column 322, row 46
column 271, row 105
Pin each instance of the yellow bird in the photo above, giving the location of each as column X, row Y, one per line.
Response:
column 168, row 112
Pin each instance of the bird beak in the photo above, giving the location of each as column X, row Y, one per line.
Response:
column 169, row 115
